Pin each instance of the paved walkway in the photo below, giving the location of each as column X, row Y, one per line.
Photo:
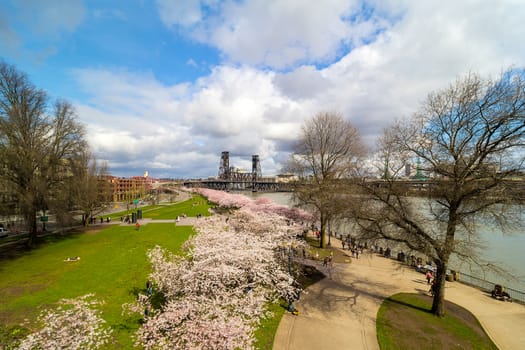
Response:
column 340, row 312
column 188, row 221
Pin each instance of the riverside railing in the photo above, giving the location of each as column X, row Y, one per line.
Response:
column 488, row 286
column 484, row 285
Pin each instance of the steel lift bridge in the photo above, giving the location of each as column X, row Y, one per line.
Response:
column 231, row 179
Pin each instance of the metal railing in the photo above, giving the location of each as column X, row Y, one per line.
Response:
column 488, row 286
column 482, row 284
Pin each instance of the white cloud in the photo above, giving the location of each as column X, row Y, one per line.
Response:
column 132, row 115
column 275, row 33
column 400, row 51
column 184, row 13
column 192, row 63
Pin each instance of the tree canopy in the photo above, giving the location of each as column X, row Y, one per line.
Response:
column 41, row 143
column 327, row 151
column 469, row 140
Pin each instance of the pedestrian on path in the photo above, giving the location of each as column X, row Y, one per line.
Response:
column 428, row 276
column 433, row 287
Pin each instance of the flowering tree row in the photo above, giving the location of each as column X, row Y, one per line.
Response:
column 216, row 293
column 230, row 200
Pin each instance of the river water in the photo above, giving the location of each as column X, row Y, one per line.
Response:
column 504, row 249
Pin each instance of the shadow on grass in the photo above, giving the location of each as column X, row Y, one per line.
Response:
column 157, row 299
column 18, row 246
column 409, row 305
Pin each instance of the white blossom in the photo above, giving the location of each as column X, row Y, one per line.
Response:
column 217, row 290
column 75, row 324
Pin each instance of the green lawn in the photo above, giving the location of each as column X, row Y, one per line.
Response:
column 191, row 207
column 113, row 265
column 265, row 334
column 404, row 322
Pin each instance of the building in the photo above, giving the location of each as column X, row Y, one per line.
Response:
column 127, row 189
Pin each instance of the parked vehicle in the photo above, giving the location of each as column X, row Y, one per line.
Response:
column 3, row 232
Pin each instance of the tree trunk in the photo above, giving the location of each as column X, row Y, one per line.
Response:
column 32, row 226
column 438, row 303
column 322, row 239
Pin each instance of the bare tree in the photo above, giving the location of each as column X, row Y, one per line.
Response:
column 87, row 192
column 37, row 147
column 327, row 151
column 92, row 192
column 469, row 140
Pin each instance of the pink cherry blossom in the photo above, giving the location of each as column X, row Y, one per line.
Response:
column 217, row 290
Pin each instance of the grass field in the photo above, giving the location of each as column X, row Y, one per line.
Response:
column 192, row 207
column 113, row 265
column 404, row 322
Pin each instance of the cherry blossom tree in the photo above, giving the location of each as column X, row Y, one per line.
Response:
column 217, row 291
column 227, row 200
column 75, row 324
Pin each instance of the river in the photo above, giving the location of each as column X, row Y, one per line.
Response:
column 504, row 249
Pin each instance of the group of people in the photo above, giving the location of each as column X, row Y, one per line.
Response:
column 93, row 220
column 499, row 293
column 355, row 247
column 328, row 260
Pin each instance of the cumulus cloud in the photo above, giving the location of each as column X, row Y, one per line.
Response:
column 275, row 33
column 133, row 115
column 286, row 61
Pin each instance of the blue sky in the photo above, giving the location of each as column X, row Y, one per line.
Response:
column 167, row 85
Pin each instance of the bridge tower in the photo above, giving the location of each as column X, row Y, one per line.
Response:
column 224, row 167
column 256, row 168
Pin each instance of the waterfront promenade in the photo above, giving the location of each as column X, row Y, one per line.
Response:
column 340, row 312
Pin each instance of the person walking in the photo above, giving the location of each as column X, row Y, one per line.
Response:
column 149, row 287
column 433, row 287
column 428, row 276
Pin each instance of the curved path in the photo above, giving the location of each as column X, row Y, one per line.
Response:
column 340, row 312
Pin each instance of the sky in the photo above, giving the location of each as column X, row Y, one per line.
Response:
column 165, row 86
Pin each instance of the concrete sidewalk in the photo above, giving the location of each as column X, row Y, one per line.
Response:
column 340, row 312
column 187, row 221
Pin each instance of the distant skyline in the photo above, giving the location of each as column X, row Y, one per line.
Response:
column 166, row 86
